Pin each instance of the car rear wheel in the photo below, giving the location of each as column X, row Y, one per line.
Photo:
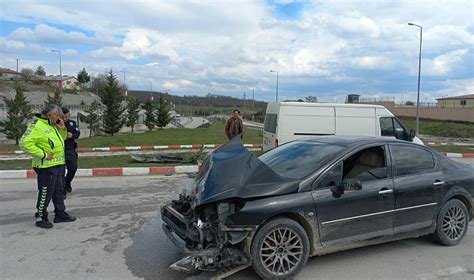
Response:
column 280, row 249
column 452, row 223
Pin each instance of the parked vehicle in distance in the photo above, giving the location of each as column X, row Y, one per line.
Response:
column 177, row 118
column 312, row 197
column 288, row 121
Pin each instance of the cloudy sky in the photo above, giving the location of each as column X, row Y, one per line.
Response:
column 327, row 48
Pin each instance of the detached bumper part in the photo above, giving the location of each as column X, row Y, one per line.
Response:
column 211, row 259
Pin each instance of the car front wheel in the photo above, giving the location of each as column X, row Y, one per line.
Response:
column 452, row 223
column 280, row 249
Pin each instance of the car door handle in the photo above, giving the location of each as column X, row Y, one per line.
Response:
column 438, row 183
column 387, row 191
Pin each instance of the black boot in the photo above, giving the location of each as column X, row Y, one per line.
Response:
column 68, row 188
column 63, row 217
column 43, row 222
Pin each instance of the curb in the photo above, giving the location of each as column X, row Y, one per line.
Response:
column 140, row 148
column 119, row 171
column 458, row 155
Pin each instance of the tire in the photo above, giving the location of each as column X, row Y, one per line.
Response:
column 271, row 253
column 452, row 223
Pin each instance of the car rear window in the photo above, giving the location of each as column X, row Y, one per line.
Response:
column 271, row 123
column 299, row 159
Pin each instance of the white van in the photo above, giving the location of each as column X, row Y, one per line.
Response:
column 287, row 121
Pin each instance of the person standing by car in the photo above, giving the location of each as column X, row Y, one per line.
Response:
column 73, row 134
column 234, row 125
column 44, row 141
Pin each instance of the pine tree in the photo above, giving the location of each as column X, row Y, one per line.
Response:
column 56, row 99
column 149, row 114
column 93, row 117
column 112, row 119
column 18, row 115
column 133, row 107
column 163, row 113
column 83, row 77
column 40, row 71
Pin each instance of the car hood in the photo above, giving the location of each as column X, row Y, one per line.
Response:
column 233, row 172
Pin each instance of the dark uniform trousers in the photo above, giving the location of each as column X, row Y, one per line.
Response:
column 50, row 187
column 71, row 164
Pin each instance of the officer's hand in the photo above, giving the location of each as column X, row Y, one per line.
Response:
column 49, row 156
column 60, row 124
column 69, row 135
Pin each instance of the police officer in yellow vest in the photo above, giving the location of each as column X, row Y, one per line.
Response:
column 44, row 141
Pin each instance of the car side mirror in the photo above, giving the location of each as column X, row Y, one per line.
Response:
column 346, row 185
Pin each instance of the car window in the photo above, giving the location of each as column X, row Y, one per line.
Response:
column 332, row 177
column 360, row 166
column 386, row 126
column 270, row 123
column 299, row 159
column 411, row 160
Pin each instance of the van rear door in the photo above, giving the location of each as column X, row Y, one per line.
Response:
column 269, row 131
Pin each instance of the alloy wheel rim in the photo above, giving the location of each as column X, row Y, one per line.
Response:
column 454, row 223
column 281, row 251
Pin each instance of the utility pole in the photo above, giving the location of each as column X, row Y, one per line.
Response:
column 243, row 103
column 17, row 64
column 60, row 71
column 419, row 73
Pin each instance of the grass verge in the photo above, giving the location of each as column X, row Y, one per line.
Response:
column 214, row 134
column 455, row 129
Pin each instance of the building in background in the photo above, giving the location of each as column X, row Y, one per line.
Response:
column 463, row 101
column 9, row 75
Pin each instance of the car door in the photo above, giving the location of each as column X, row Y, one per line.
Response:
column 355, row 215
column 418, row 182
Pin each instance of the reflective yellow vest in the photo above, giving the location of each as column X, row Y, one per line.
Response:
column 42, row 137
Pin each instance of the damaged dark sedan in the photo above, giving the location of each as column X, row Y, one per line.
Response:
column 315, row 196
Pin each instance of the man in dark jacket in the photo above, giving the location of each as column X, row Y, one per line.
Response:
column 73, row 134
column 234, row 125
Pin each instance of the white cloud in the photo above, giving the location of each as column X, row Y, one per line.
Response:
column 446, row 63
column 372, row 62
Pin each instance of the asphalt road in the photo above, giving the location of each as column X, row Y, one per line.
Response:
column 118, row 236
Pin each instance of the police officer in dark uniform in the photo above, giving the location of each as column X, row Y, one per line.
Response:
column 71, row 148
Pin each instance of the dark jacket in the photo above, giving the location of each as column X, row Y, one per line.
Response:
column 71, row 143
column 234, row 127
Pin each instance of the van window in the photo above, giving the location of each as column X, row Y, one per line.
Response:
column 386, row 126
column 271, row 123
column 392, row 127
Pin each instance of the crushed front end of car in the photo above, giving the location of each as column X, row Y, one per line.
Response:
column 201, row 233
column 200, row 221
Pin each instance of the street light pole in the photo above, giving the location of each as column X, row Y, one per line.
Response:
column 419, row 72
column 276, row 98
column 60, row 71
column 17, row 64
column 123, row 76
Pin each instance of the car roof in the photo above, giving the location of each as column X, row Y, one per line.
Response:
column 351, row 140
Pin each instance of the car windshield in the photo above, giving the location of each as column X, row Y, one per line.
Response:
column 298, row 159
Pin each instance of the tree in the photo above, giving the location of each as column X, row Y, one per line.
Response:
column 40, row 71
column 409, row 103
column 133, row 107
column 163, row 113
column 56, row 99
column 83, row 77
column 92, row 119
column 149, row 114
column 18, row 115
column 26, row 74
column 311, row 99
column 112, row 100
